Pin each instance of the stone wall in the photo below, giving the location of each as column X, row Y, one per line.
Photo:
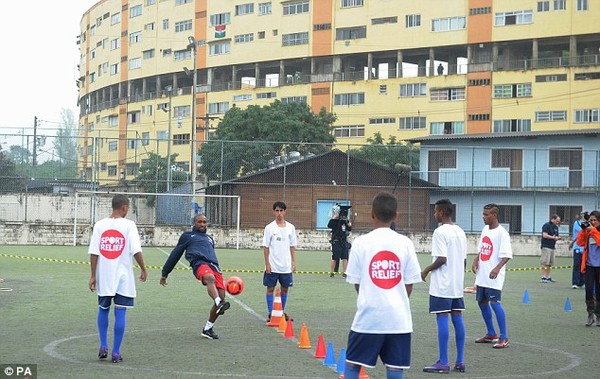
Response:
column 14, row 233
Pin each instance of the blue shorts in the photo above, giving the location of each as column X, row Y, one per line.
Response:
column 286, row 280
column 393, row 349
column 485, row 294
column 445, row 305
column 120, row 300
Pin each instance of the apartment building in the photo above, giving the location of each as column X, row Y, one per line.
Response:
column 156, row 75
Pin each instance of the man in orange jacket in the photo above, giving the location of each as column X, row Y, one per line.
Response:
column 589, row 238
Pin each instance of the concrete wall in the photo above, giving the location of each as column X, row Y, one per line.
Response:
column 45, row 234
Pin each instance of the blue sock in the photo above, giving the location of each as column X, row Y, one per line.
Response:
column 501, row 318
column 103, row 326
column 394, row 374
column 443, row 335
column 119, row 329
column 284, row 297
column 486, row 312
column 461, row 336
column 351, row 371
column 269, row 303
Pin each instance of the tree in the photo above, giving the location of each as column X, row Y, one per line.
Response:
column 20, row 155
column 271, row 130
column 9, row 179
column 65, row 143
column 388, row 154
column 152, row 175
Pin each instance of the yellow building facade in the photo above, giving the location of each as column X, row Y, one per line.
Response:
column 403, row 69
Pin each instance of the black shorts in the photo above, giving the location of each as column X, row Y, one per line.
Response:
column 339, row 250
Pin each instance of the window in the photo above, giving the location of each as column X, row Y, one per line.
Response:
column 165, row 24
column 261, row 35
column 447, row 94
column 383, row 89
column 182, row 26
column 112, row 145
column 220, row 19
column 114, row 69
column 135, row 11
column 145, row 138
column 551, row 116
column 511, row 126
column 582, row 5
column 243, row 9
column 543, row 6
column 560, row 5
column 294, row 39
column 115, row 43
column 450, row 23
column 411, row 123
column 182, row 111
column 351, row 33
column 93, row 77
column 317, row 27
column 349, row 98
column 514, row 18
column 135, row 37
column 91, row 127
column 266, row 95
column 384, row 20
column 296, row 7
column 244, row 97
column 349, row 131
column 181, row 55
column 558, row 158
column 244, row 38
column 264, row 8
column 221, row 47
column 181, row 139
column 479, row 117
column 133, row 143
column 482, row 10
column 413, row 89
column 113, row 121
column 294, row 99
column 181, row 2
column 479, row 82
column 112, row 170
column 218, row 108
column 150, row 2
column 352, row 3
column 133, row 117
column 442, row 159
column 148, row 54
column 135, row 63
column 115, row 18
column 449, row 127
column 512, row 90
column 382, row 120
column 587, row 76
column 551, row 78
column 413, row 20
column 93, row 30
column 150, row 26
column 167, row 52
column 587, row 115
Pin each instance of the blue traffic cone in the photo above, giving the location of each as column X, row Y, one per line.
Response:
column 526, row 297
column 568, row 305
column 329, row 356
column 341, row 361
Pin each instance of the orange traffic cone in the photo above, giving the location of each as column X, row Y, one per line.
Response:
column 304, row 340
column 320, row 352
column 361, row 375
column 277, row 311
column 289, row 330
column 282, row 325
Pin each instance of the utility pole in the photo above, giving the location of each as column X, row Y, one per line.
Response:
column 35, row 120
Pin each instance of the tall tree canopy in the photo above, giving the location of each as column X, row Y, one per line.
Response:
column 388, row 154
column 271, row 131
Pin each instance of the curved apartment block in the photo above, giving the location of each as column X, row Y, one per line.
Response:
column 154, row 71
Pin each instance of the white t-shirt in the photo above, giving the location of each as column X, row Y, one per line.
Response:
column 382, row 262
column 447, row 281
column 279, row 240
column 494, row 244
column 115, row 241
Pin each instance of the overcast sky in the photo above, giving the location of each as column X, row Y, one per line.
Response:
column 39, row 61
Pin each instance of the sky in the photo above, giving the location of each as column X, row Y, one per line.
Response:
column 39, row 61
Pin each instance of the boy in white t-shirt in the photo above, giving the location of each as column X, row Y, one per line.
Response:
column 495, row 251
column 115, row 241
column 382, row 266
column 449, row 253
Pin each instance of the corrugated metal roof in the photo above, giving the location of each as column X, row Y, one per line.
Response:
column 478, row 136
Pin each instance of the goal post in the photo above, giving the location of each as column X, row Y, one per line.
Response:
column 160, row 209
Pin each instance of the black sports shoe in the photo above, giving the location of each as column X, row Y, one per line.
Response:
column 222, row 307
column 210, row 334
column 103, row 352
column 116, row 358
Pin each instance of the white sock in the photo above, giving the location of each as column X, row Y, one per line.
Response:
column 209, row 325
column 217, row 301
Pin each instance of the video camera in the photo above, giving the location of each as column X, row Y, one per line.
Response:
column 343, row 211
column 586, row 220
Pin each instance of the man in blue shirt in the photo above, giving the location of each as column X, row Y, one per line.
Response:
column 549, row 238
column 577, row 280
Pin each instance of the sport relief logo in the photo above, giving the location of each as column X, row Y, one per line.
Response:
column 112, row 244
column 385, row 269
column 487, row 248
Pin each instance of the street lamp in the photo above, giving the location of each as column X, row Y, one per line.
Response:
column 169, row 90
column 193, row 46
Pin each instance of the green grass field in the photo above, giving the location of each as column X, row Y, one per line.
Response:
column 49, row 319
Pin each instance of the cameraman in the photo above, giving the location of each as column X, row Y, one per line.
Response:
column 340, row 226
column 589, row 238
